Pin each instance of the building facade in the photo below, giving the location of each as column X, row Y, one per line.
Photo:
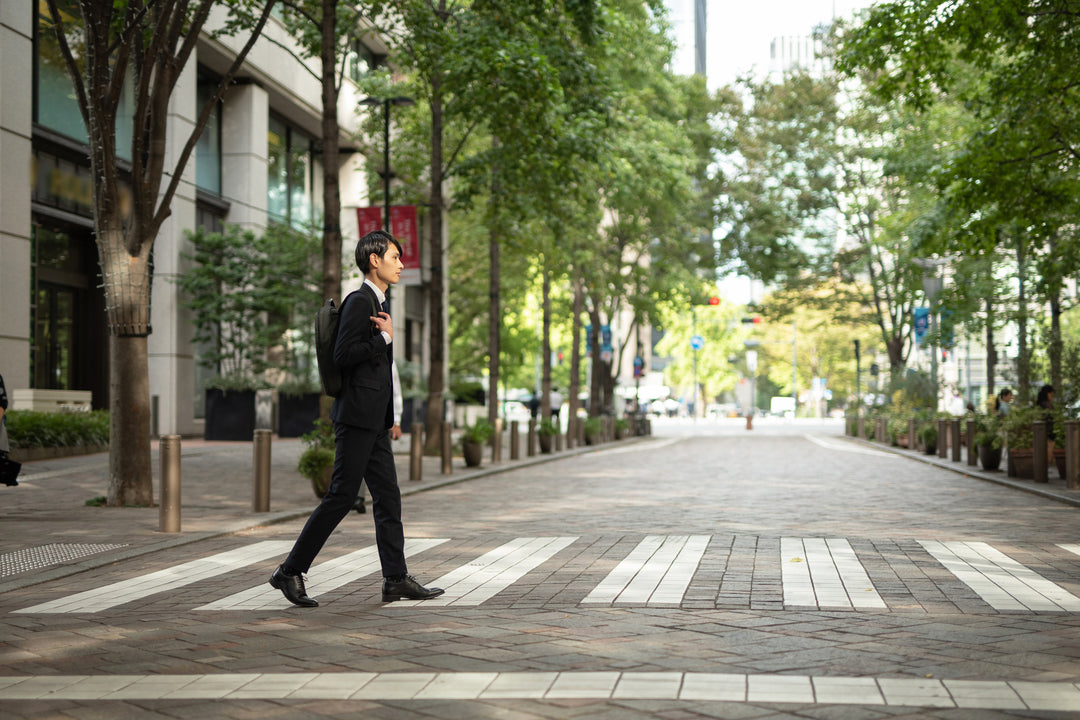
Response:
column 257, row 163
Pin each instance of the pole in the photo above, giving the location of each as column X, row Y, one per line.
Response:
column 260, row 497
column 169, row 510
column 693, row 315
column 386, row 164
column 794, row 369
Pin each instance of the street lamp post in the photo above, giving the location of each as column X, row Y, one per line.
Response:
column 386, row 103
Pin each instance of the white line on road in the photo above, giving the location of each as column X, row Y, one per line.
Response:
column 845, row 446
column 656, row 572
column 324, row 577
column 107, row 596
column 599, row 685
column 493, row 572
column 825, row 574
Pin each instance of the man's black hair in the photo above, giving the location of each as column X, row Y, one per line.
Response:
column 376, row 241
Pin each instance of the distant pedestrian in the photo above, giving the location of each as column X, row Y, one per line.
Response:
column 363, row 416
column 1003, row 401
column 556, row 404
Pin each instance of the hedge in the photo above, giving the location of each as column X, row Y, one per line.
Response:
column 33, row 429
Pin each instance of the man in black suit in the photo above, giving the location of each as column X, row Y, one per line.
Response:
column 362, row 415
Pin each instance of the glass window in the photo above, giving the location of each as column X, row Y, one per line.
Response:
column 361, row 60
column 208, row 151
column 293, row 177
column 56, row 106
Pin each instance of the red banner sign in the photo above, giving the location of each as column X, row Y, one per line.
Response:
column 402, row 226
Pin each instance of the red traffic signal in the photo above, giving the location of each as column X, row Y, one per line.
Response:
column 713, row 300
column 755, row 320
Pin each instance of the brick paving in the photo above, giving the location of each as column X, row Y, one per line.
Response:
column 746, row 491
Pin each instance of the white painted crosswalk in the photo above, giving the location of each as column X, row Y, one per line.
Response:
column 325, row 577
column 999, row 580
column 107, row 596
column 657, row 571
column 825, row 574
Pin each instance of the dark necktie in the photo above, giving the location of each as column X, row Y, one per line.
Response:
column 385, row 307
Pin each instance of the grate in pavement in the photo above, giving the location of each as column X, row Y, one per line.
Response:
column 45, row 555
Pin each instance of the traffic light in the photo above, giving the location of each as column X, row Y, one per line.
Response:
column 754, row 320
column 713, row 300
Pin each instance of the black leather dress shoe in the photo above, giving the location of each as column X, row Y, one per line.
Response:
column 292, row 587
column 407, row 589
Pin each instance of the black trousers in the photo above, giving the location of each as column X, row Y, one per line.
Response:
column 360, row 455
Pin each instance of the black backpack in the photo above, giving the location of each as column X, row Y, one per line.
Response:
column 326, row 332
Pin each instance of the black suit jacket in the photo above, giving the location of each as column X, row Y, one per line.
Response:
column 367, row 397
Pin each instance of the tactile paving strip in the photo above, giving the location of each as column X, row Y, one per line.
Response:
column 45, row 555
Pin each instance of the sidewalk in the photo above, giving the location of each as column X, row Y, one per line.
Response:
column 47, row 530
column 1054, row 489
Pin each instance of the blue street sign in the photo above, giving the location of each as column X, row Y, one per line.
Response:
column 697, row 342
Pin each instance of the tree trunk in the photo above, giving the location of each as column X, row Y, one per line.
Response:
column 331, row 245
column 991, row 351
column 130, row 472
column 545, row 347
column 1023, row 367
column 494, row 324
column 437, row 328
column 1055, row 340
column 573, row 403
column 596, row 391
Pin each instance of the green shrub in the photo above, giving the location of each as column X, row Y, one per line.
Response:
column 35, row 429
column 480, row 432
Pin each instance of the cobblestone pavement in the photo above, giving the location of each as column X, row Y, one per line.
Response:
column 707, row 571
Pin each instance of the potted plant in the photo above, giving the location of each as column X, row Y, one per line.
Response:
column 546, row 431
column 1019, row 438
column 989, row 440
column 317, row 461
column 928, row 436
column 591, row 427
column 622, row 428
column 473, row 439
column 224, row 293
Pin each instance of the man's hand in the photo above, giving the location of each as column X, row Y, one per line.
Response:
column 384, row 323
column 395, row 432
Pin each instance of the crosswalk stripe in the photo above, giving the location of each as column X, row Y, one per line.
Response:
column 1071, row 547
column 826, row 574
column 107, row 596
column 1001, row 581
column 760, row 688
column 493, row 572
column 656, row 572
column 325, row 577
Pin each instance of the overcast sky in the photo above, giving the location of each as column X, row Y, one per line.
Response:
column 740, row 31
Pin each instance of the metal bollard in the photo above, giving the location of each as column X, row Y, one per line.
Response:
column 942, row 439
column 571, row 434
column 416, row 453
column 169, row 508
column 973, row 446
column 954, row 440
column 1072, row 455
column 558, row 442
column 861, row 425
column 447, row 450
column 260, row 497
column 530, row 440
column 912, row 440
column 496, row 441
column 1039, row 452
column 514, row 453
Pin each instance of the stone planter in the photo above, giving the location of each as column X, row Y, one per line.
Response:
column 1021, row 463
column 297, row 414
column 989, row 457
column 230, row 415
column 545, row 442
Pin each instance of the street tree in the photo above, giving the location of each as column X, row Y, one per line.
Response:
column 141, row 45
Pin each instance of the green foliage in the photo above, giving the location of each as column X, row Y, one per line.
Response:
column 547, row 427
column 33, row 429
column 591, row 425
column 989, row 431
column 479, row 432
column 246, row 291
column 468, row 392
column 319, row 451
